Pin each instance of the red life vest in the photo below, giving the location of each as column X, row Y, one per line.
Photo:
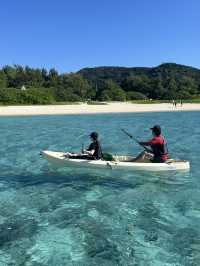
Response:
column 158, row 147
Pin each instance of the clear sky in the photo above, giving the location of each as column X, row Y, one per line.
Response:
column 72, row 34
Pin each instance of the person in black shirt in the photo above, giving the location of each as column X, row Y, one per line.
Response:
column 94, row 151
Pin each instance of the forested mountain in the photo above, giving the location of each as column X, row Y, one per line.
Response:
column 119, row 73
column 167, row 81
column 25, row 85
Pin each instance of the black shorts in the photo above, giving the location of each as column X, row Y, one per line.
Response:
column 83, row 157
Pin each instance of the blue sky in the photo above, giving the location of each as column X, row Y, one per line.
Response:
column 70, row 35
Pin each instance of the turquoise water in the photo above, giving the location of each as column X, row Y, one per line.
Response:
column 64, row 217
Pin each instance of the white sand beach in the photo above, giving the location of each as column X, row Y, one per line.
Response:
column 117, row 107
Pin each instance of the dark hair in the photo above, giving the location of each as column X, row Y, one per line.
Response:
column 94, row 135
column 156, row 130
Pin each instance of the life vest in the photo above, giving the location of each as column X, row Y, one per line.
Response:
column 159, row 148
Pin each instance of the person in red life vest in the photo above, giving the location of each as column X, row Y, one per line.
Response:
column 158, row 152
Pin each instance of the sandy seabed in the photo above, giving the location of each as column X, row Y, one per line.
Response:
column 84, row 108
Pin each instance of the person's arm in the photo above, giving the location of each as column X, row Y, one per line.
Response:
column 90, row 150
column 146, row 143
column 149, row 143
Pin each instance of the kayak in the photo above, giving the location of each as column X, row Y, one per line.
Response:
column 59, row 159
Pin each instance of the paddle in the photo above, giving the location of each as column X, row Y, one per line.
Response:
column 82, row 148
column 132, row 137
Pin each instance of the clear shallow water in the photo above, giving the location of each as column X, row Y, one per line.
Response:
column 61, row 217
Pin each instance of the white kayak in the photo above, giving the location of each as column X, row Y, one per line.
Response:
column 60, row 159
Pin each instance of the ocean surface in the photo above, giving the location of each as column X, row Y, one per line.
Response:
column 67, row 217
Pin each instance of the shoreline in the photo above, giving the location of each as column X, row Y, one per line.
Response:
column 117, row 107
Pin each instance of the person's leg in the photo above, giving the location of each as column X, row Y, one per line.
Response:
column 83, row 157
column 78, row 156
column 140, row 157
column 143, row 157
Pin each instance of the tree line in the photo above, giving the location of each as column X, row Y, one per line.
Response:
column 25, row 85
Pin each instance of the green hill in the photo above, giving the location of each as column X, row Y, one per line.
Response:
column 119, row 73
column 167, row 81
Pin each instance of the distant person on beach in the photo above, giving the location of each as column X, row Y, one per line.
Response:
column 94, row 151
column 175, row 103
column 181, row 102
column 158, row 151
